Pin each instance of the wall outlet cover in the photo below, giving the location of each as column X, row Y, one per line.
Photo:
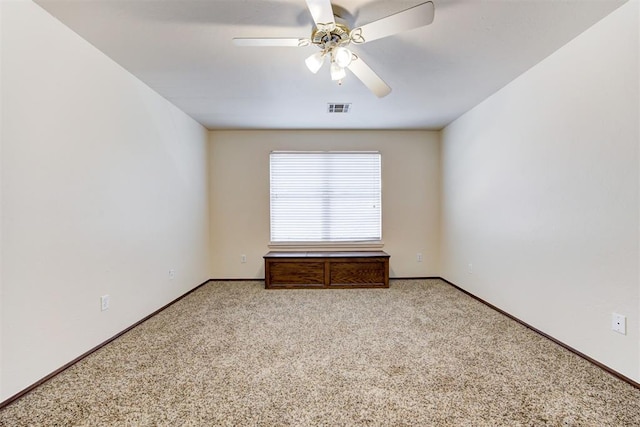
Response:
column 619, row 323
column 104, row 302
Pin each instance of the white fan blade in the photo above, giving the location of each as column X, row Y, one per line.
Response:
column 369, row 78
column 239, row 41
column 417, row 16
column 322, row 12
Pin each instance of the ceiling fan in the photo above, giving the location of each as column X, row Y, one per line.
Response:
column 332, row 35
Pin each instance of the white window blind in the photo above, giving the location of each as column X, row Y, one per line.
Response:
column 325, row 197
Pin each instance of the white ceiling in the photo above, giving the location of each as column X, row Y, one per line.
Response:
column 183, row 50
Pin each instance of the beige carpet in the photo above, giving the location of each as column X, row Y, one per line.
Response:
column 419, row 353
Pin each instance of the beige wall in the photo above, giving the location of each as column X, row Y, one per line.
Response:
column 239, row 186
column 1, row 198
column 104, row 189
column 540, row 194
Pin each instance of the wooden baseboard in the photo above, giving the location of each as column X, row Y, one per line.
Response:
column 98, row 347
column 549, row 337
column 261, row 279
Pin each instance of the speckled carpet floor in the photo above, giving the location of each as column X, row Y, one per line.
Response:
column 419, row 353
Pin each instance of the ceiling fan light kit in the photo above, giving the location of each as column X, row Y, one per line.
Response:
column 337, row 73
column 315, row 61
column 333, row 38
column 342, row 56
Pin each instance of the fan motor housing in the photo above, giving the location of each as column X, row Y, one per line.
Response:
column 326, row 38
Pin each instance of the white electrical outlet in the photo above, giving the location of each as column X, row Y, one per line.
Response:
column 419, row 257
column 104, row 302
column 619, row 323
column 243, row 258
column 172, row 274
column 470, row 268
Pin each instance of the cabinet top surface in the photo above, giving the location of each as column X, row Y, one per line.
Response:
column 327, row 254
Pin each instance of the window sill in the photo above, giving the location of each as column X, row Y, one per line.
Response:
column 327, row 245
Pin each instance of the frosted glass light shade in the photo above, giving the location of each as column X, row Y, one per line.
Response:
column 337, row 72
column 342, row 56
column 315, row 61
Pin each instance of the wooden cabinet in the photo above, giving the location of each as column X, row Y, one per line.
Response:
column 367, row 269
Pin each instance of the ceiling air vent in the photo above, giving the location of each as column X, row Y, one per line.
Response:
column 338, row 108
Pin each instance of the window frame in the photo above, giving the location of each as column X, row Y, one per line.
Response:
column 360, row 243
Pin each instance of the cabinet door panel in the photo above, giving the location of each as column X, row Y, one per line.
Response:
column 357, row 273
column 298, row 273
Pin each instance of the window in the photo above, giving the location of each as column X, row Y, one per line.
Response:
column 325, row 197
